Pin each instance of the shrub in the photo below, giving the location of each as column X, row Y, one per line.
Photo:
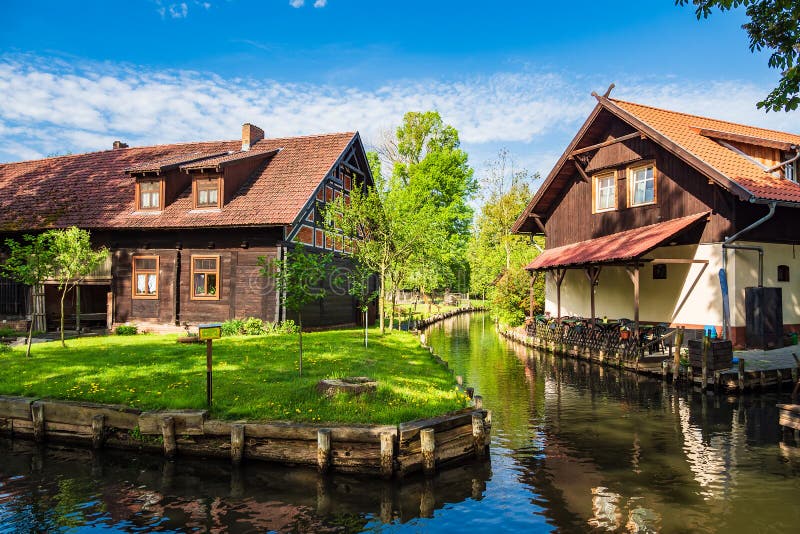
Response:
column 253, row 326
column 127, row 330
column 7, row 332
column 233, row 327
column 286, row 327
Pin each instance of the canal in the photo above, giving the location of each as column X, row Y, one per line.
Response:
column 574, row 449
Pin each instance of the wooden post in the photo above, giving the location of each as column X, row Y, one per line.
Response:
column 98, row 435
column 237, row 443
column 559, row 274
column 704, row 361
column 762, row 379
column 323, row 450
column 78, row 309
column 168, row 433
column 592, row 274
column 676, row 362
column 740, row 375
column 459, row 380
column 478, row 435
column 387, row 454
column 478, row 402
column 633, row 272
column 487, row 424
column 534, row 277
column 37, row 415
column 470, row 392
column 428, row 445
column 209, row 351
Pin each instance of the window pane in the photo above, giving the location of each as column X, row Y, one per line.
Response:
column 211, row 284
column 150, row 187
column 145, row 200
column 141, row 283
column 151, row 284
column 199, row 284
column 154, row 200
column 205, row 264
column 145, row 264
column 202, row 197
column 212, row 196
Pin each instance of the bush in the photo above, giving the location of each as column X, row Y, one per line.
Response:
column 127, row 330
column 253, row 326
column 233, row 327
column 286, row 327
column 8, row 332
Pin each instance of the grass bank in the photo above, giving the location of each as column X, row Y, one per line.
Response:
column 255, row 377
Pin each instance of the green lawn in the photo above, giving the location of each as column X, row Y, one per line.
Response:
column 254, row 377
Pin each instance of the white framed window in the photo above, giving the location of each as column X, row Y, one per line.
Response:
column 145, row 277
column 643, row 185
column 791, row 171
column 605, row 192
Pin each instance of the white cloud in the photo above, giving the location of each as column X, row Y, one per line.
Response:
column 321, row 3
column 297, row 3
column 179, row 11
column 52, row 107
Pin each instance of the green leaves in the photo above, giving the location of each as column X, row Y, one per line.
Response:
column 299, row 277
column 775, row 25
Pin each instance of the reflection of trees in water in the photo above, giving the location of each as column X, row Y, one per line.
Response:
column 62, row 487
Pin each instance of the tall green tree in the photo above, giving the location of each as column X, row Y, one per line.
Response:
column 496, row 256
column 774, row 25
column 30, row 262
column 73, row 260
column 299, row 278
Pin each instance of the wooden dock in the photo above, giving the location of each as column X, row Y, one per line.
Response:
column 664, row 366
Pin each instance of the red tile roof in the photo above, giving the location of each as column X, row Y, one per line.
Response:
column 94, row 190
column 685, row 131
column 219, row 162
column 621, row 246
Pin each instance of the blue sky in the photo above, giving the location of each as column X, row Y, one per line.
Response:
column 511, row 74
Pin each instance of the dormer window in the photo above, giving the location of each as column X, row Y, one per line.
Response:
column 642, row 185
column 605, row 189
column 149, row 195
column 206, row 193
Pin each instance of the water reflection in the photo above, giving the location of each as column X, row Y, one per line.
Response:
column 59, row 488
column 604, row 450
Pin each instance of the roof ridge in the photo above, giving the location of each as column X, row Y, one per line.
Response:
column 693, row 115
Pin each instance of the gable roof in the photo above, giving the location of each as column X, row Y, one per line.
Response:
column 96, row 191
column 690, row 138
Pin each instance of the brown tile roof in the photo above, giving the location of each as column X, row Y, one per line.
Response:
column 223, row 160
column 615, row 247
column 172, row 162
column 684, row 130
column 94, row 190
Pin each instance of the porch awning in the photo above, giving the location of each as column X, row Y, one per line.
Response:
column 617, row 247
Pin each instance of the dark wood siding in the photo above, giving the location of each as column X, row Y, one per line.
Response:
column 680, row 191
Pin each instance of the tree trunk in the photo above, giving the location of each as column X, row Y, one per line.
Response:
column 381, row 303
column 78, row 310
column 30, row 337
column 63, row 296
column 366, row 327
column 391, row 311
column 300, row 332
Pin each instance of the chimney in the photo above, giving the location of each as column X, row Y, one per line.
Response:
column 120, row 144
column 250, row 135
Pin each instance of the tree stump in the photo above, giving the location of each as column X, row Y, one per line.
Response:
column 355, row 385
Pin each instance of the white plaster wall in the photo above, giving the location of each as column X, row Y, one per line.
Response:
column 690, row 295
column 745, row 269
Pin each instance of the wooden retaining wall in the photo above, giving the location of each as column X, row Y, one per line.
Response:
column 425, row 323
column 731, row 381
column 384, row 451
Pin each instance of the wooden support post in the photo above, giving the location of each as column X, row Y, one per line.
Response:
column 559, row 274
column 633, row 272
column 592, row 274
column 168, row 433
column 237, row 443
column 428, row 445
column 762, row 379
column 676, row 362
column 98, row 434
column 37, row 415
column 478, row 402
column 704, row 361
column 78, row 309
column 478, row 435
column 470, row 392
column 323, row 450
column 740, row 375
column 387, row 454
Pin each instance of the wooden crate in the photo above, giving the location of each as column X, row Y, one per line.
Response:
column 720, row 355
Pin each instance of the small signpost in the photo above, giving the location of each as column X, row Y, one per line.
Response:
column 209, row 332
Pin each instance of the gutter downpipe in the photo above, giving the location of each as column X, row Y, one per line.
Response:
column 727, row 244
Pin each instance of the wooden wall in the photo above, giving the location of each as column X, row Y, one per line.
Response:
column 680, row 191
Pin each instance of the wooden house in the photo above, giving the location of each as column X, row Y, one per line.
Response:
column 664, row 217
column 186, row 225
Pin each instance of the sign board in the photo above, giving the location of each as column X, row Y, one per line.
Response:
column 209, row 331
